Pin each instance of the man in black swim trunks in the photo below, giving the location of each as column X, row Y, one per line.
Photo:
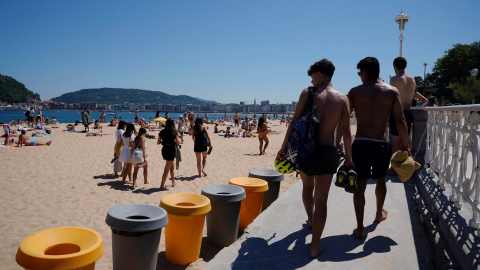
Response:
column 407, row 88
column 331, row 107
column 373, row 101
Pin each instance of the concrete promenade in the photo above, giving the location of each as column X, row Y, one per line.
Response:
column 279, row 238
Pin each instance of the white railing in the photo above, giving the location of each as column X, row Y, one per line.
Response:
column 452, row 152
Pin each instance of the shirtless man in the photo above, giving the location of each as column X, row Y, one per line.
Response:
column 407, row 88
column 373, row 101
column 331, row 107
column 23, row 140
column 236, row 119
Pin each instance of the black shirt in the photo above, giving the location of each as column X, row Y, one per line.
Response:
column 167, row 137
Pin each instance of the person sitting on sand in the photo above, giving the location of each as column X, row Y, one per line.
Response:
column 112, row 123
column 248, row 133
column 71, row 127
column 54, row 120
column 97, row 126
column 23, row 140
column 216, row 130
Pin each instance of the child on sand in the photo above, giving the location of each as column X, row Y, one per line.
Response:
column 140, row 142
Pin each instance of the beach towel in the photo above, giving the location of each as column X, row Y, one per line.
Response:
column 76, row 131
column 404, row 165
column 40, row 135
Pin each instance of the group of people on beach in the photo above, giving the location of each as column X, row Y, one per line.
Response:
column 171, row 138
column 376, row 105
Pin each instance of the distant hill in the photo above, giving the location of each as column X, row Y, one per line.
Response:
column 121, row 95
column 13, row 91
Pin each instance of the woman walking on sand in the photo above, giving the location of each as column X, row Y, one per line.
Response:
column 117, row 165
column 140, row 142
column 201, row 142
column 125, row 155
column 262, row 134
column 181, row 126
column 169, row 139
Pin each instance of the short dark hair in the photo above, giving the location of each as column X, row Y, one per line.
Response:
column 323, row 66
column 400, row 63
column 370, row 65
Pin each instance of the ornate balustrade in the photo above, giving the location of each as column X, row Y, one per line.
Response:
column 453, row 153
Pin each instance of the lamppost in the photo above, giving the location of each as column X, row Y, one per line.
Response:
column 401, row 19
column 424, row 70
column 474, row 73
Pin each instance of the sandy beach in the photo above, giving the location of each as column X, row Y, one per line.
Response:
column 71, row 183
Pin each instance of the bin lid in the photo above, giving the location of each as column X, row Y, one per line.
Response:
column 250, row 184
column 224, row 193
column 186, row 204
column 267, row 175
column 137, row 217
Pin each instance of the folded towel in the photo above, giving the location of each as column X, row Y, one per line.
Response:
column 404, row 165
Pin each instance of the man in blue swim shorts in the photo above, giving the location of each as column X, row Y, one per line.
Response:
column 330, row 106
column 373, row 101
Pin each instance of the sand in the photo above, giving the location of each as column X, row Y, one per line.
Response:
column 71, row 183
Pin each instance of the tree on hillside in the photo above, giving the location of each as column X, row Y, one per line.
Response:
column 12, row 91
column 452, row 72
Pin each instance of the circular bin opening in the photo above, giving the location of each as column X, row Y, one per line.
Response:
column 138, row 217
column 224, row 193
column 62, row 249
column 185, row 204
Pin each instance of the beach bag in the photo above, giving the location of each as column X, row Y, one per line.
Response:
column 118, row 147
column 303, row 135
column 137, row 155
column 206, row 141
column 117, row 166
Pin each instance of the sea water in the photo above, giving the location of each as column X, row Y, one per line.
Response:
column 72, row 116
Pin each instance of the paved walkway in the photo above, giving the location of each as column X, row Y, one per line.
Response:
column 280, row 239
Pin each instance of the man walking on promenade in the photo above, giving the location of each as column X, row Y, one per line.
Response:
column 373, row 101
column 331, row 106
column 407, row 88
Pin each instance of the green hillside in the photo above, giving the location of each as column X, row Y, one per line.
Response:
column 121, row 95
column 13, row 91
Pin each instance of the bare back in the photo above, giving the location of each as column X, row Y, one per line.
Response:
column 330, row 104
column 373, row 104
column 406, row 87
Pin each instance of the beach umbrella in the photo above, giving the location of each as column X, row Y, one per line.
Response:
column 159, row 119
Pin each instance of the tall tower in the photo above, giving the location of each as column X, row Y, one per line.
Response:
column 401, row 19
column 255, row 101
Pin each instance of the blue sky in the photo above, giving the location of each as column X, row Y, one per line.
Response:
column 227, row 51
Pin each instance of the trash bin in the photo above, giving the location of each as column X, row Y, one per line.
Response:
column 60, row 248
column 136, row 230
column 273, row 179
column 183, row 234
column 222, row 221
column 252, row 205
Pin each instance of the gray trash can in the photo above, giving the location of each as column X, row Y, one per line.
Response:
column 222, row 220
column 273, row 178
column 136, row 230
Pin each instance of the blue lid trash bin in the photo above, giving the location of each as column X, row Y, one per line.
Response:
column 274, row 179
column 136, row 230
column 223, row 219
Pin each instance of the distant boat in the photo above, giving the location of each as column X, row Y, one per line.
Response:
column 112, row 113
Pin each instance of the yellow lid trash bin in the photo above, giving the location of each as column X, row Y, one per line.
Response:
column 252, row 205
column 60, row 248
column 183, row 233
